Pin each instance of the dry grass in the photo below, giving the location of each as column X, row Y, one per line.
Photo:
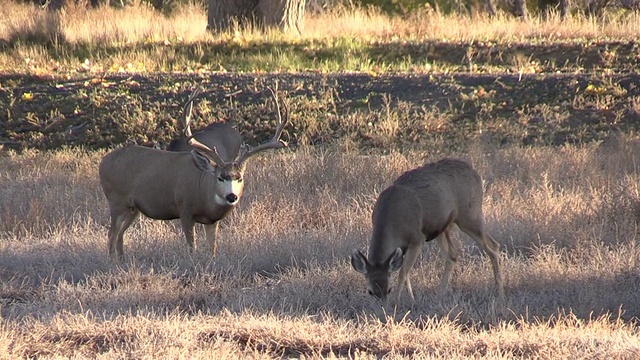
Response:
column 462, row 28
column 140, row 24
column 140, row 39
column 282, row 285
column 105, row 25
column 251, row 335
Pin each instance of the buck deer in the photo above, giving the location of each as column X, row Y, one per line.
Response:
column 219, row 134
column 200, row 186
column 421, row 205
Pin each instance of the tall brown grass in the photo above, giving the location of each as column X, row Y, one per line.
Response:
column 140, row 24
column 282, row 285
column 140, row 39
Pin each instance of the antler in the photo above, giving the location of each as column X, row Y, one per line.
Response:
column 187, row 110
column 186, row 115
column 275, row 142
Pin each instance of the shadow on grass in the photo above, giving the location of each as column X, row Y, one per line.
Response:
column 340, row 53
column 46, row 281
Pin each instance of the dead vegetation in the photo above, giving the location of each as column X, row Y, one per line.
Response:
column 547, row 111
column 281, row 285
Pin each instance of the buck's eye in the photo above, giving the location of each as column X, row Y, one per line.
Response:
column 370, row 292
column 240, row 180
column 220, row 179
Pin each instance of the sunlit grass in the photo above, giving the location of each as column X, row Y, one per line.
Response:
column 45, row 42
column 566, row 216
column 282, row 283
column 187, row 24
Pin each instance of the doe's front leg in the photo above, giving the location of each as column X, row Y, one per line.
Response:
column 410, row 257
column 450, row 256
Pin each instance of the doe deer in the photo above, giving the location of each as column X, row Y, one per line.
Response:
column 421, row 205
column 200, row 186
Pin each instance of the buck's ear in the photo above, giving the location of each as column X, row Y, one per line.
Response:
column 395, row 260
column 359, row 262
column 201, row 162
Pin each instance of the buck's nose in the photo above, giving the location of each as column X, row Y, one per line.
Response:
column 232, row 198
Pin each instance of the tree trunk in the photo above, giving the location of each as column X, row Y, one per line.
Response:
column 545, row 6
column 283, row 14
column 491, row 8
column 521, row 9
column 564, row 8
column 224, row 14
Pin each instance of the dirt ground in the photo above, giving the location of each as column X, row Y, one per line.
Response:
column 106, row 110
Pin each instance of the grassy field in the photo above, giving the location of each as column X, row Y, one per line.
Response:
column 547, row 111
column 96, row 78
column 282, row 284
column 140, row 40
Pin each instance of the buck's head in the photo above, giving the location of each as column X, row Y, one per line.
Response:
column 377, row 275
column 228, row 176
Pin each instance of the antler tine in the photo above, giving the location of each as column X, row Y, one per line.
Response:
column 281, row 123
column 275, row 142
column 186, row 115
column 187, row 110
column 274, row 95
column 207, row 151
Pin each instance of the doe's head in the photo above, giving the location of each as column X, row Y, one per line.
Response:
column 377, row 275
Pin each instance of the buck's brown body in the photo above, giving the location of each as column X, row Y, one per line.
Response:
column 199, row 186
column 162, row 185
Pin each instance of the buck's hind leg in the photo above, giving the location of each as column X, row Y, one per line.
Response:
column 114, row 229
column 450, row 258
column 121, row 219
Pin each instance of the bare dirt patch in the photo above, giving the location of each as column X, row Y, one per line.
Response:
column 108, row 110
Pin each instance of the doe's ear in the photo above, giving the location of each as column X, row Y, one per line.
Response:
column 395, row 260
column 359, row 262
column 201, row 162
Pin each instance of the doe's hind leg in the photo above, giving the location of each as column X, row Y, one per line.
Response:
column 490, row 246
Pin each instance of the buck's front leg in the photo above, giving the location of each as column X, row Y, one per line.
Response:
column 188, row 227
column 211, row 233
